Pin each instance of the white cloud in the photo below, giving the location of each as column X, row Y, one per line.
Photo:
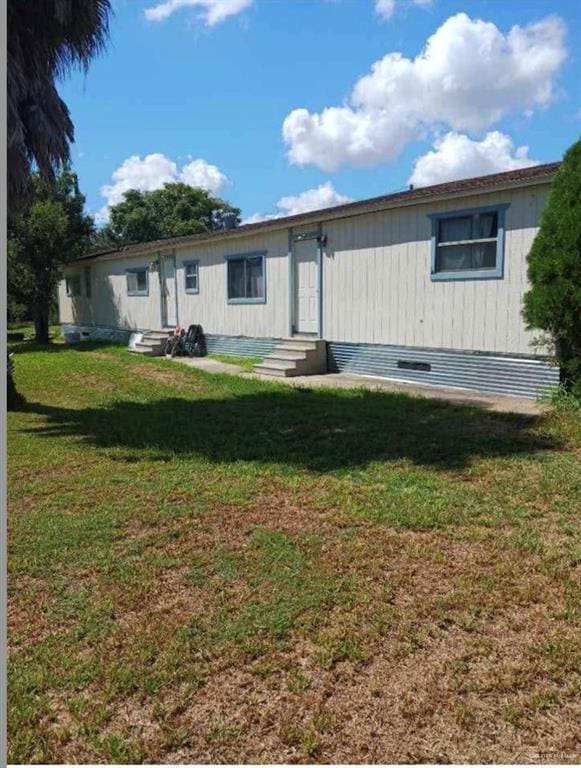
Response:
column 323, row 196
column 199, row 173
column 152, row 172
column 134, row 173
column 468, row 76
column 456, row 156
column 386, row 8
column 212, row 12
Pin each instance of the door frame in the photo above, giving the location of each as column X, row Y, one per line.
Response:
column 162, row 278
column 294, row 237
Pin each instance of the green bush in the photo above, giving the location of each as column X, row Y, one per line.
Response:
column 553, row 302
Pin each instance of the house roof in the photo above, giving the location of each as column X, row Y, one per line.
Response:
column 508, row 179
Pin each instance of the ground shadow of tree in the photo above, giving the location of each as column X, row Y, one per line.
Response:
column 25, row 347
column 318, row 430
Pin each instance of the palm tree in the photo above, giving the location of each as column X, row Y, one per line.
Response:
column 46, row 38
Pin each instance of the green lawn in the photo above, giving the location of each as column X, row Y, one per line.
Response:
column 246, row 363
column 211, row 568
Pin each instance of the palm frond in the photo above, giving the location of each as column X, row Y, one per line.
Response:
column 46, row 39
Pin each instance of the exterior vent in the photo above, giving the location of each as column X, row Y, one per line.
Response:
column 411, row 365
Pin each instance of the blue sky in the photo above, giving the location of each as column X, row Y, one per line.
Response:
column 189, row 87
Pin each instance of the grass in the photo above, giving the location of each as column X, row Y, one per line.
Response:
column 209, row 568
column 246, row 363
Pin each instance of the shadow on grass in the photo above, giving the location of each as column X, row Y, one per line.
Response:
column 29, row 345
column 318, row 430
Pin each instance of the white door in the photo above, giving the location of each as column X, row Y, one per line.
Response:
column 306, row 264
column 168, row 291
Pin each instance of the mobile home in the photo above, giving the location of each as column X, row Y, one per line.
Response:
column 424, row 286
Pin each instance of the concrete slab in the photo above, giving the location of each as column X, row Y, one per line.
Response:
column 208, row 364
column 498, row 403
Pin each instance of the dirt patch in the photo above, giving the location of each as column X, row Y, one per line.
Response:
column 91, row 381
column 279, row 509
column 159, row 375
column 451, row 650
column 387, row 710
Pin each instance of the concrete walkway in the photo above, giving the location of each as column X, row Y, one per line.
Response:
column 208, row 364
column 498, row 403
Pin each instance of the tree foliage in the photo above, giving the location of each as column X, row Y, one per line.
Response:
column 52, row 230
column 553, row 302
column 46, row 38
column 175, row 210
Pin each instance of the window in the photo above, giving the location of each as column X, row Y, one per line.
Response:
column 245, row 279
column 191, row 276
column 87, row 274
column 468, row 245
column 73, row 283
column 137, row 281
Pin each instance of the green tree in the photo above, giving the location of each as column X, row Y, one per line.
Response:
column 46, row 38
column 553, row 302
column 176, row 209
column 51, row 230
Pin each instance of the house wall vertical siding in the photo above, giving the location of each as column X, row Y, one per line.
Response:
column 210, row 306
column 109, row 304
column 377, row 286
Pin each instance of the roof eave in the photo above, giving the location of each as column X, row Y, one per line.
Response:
column 375, row 205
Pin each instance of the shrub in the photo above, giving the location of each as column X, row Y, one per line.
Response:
column 553, row 302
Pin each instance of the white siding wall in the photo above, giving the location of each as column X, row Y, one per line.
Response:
column 210, row 307
column 377, row 286
column 109, row 303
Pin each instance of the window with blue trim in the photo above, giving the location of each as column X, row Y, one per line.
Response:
column 245, row 278
column 191, row 276
column 137, row 281
column 468, row 244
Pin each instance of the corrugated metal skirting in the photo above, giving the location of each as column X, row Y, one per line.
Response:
column 240, row 346
column 518, row 376
column 76, row 333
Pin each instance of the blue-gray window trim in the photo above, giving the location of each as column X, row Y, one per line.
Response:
column 470, row 274
column 191, row 263
column 248, row 255
column 138, row 269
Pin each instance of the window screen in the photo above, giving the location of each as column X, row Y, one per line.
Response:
column 191, row 276
column 467, row 242
column 246, row 278
column 137, row 282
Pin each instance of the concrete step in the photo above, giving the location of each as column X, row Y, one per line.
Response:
column 296, row 348
column 297, row 366
column 300, row 342
column 157, row 335
column 289, row 353
column 153, row 350
column 272, row 370
column 295, row 356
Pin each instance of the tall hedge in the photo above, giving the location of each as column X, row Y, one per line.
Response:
column 553, row 302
